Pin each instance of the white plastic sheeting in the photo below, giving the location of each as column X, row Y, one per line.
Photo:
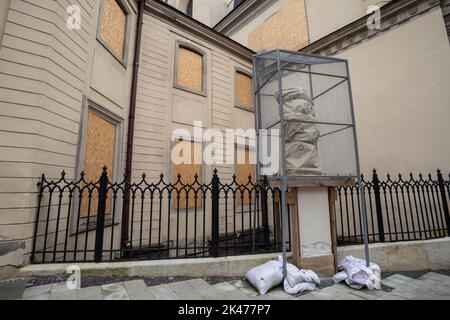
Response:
column 357, row 275
column 299, row 280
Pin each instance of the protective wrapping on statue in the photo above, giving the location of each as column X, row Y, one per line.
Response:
column 301, row 133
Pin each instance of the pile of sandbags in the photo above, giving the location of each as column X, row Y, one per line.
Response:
column 357, row 275
column 270, row 275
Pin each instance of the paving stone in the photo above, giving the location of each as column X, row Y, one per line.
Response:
column 163, row 292
column 280, row 295
column 308, row 296
column 90, row 293
column 406, row 293
column 396, row 280
column 114, row 291
column 246, row 288
column 432, row 297
column 138, row 290
column 368, row 294
column 390, row 296
column 185, row 291
column 350, row 296
column 64, row 295
column 325, row 295
column 336, row 290
column 441, row 289
column 262, row 297
column 423, row 283
column 12, row 290
column 436, row 277
column 314, row 295
column 60, row 291
column 36, row 291
column 231, row 292
column 44, row 296
column 206, row 290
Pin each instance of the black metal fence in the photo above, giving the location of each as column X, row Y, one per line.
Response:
column 80, row 221
column 397, row 209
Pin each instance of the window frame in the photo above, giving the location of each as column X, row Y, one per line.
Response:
column 91, row 106
column 189, row 46
column 126, row 43
column 248, row 74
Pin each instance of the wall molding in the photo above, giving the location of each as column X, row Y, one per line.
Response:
column 392, row 15
column 171, row 15
column 445, row 6
column 242, row 15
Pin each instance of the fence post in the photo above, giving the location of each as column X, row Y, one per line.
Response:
column 215, row 214
column 376, row 191
column 444, row 200
column 265, row 213
column 99, row 230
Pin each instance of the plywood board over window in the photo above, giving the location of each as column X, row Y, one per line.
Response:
column 99, row 151
column 190, row 70
column 244, row 92
column 113, row 26
column 188, row 171
column 286, row 29
column 245, row 167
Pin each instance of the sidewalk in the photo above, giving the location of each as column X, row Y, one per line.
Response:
column 429, row 286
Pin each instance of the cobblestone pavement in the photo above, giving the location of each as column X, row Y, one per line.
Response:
column 422, row 286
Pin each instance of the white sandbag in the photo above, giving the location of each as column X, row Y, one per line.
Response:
column 340, row 276
column 357, row 275
column 265, row 276
column 298, row 280
column 299, row 287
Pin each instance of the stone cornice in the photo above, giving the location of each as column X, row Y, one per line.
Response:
column 392, row 14
column 186, row 23
column 242, row 15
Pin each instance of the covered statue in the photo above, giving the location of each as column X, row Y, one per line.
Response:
column 301, row 133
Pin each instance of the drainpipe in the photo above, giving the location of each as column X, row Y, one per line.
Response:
column 131, row 117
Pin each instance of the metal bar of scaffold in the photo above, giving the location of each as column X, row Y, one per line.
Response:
column 362, row 198
column 283, row 168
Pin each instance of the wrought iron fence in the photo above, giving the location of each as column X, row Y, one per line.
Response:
column 397, row 209
column 80, row 221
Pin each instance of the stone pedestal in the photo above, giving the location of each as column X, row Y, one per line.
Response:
column 315, row 230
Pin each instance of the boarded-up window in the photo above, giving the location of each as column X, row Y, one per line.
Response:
column 244, row 93
column 245, row 167
column 99, row 151
column 113, row 26
column 192, row 151
column 190, row 70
